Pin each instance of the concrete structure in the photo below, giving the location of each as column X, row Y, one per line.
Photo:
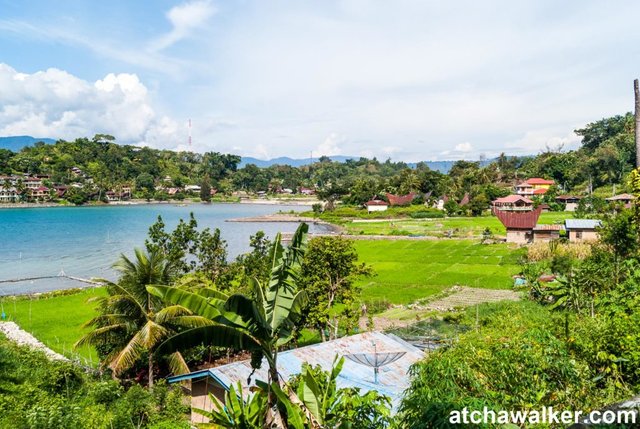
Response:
column 393, row 378
column 546, row 233
column 40, row 193
column 534, row 186
column 570, row 202
column 441, row 202
column 513, row 203
column 519, row 225
column 582, row 229
column 624, row 199
column 9, row 195
column 376, row 206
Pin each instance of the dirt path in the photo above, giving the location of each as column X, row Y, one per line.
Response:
column 456, row 297
column 23, row 338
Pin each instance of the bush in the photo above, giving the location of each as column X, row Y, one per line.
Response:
column 424, row 214
column 518, row 359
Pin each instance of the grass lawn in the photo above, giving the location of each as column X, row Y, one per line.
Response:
column 459, row 226
column 56, row 321
column 410, row 270
column 407, row 270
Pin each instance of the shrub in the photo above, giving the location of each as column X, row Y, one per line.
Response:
column 427, row 214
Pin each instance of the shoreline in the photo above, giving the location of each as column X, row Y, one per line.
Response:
column 289, row 218
column 256, row 201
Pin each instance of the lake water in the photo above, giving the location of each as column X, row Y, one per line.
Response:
column 85, row 241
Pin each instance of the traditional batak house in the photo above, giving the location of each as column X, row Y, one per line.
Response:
column 401, row 200
column 519, row 224
column 534, row 186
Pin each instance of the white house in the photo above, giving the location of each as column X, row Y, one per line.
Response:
column 376, row 206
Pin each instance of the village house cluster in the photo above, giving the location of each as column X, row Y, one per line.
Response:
column 15, row 188
column 519, row 214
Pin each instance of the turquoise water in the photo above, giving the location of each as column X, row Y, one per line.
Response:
column 85, row 241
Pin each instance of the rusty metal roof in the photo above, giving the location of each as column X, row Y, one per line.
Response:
column 393, row 379
column 518, row 220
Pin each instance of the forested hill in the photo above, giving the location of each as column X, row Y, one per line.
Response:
column 602, row 163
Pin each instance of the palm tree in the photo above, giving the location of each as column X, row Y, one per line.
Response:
column 261, row 324
column 133, row 321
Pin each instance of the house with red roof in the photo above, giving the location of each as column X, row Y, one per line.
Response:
column 513, row 203
column 401, row 200
column 519, row 224
column 376, row 205
column 534, row 186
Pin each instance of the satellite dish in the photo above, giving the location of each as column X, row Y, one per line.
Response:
column 375, row 360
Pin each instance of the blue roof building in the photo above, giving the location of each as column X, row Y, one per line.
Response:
column 392, row 379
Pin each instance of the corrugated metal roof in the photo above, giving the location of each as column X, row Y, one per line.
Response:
column 622, row 197
column 547, row 228
column 393, row 379
column 512, row 199
column 518, row 220
column 582, row 223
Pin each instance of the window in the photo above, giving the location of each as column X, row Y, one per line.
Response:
column 579, row 235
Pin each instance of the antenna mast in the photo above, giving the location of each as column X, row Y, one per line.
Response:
column 189, row 132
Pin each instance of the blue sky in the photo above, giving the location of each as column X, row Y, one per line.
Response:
column 410, row 80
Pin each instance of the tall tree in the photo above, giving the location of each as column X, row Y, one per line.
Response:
column 637, row 114
column 205, row 189
column 262, row 323
column 329, row 271
column 132, row 321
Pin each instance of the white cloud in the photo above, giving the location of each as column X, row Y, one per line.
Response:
column 184, row 18
column 463, row 147
column 330, row 146
column 533, row 142
column 54, row 103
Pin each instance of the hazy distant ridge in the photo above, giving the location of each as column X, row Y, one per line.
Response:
column 15, row 143
column 441, row 166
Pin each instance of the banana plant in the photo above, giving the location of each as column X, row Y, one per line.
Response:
column 261, row 324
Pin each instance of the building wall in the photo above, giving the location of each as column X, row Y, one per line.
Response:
column 571, row 207
column 545, row 236
column 200, row 390
column 518, row 236
column 578, row 235
column 376, row 208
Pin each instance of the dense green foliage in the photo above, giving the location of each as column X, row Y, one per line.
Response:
column 605, row 158
column 574, row 348
column 36, row 393
column 329, row 270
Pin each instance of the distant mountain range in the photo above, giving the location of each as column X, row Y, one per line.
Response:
column 15, row 143
column 441, row 166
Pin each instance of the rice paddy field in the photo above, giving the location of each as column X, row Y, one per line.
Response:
column 56, row 321
column 461, row 227
column 408, row 270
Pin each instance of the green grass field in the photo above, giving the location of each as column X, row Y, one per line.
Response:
column 406, row 270
column 56, row 321
column 410, row 270
column 460, row 227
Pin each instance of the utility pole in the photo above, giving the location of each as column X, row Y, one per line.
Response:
column 637, row 112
